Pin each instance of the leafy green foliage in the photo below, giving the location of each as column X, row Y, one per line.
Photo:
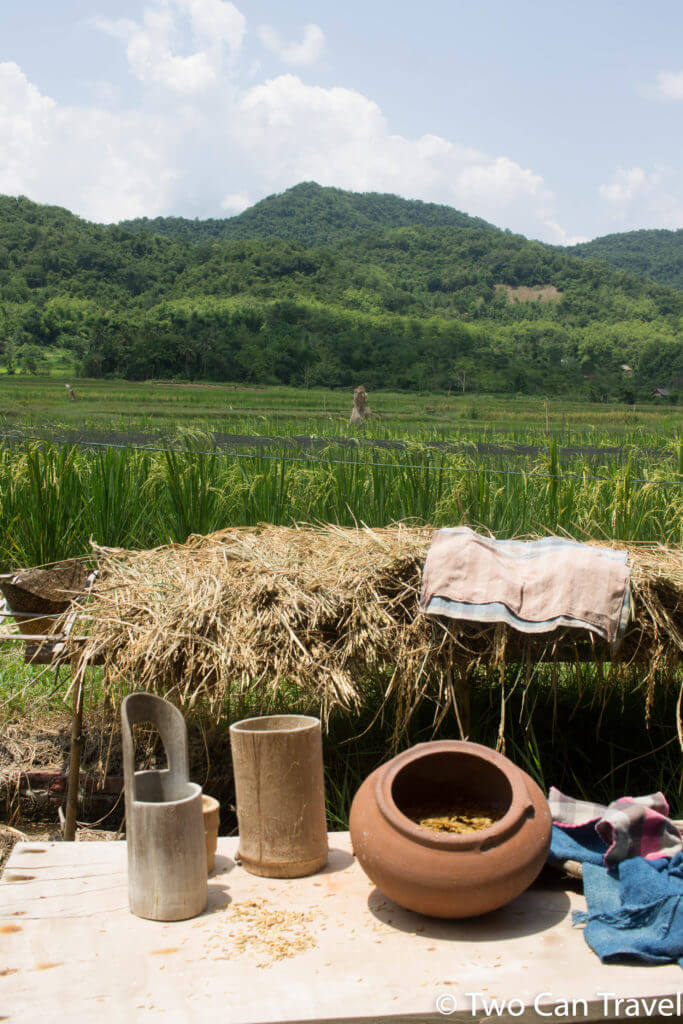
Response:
column 402, row 294
column 657, row 254
column 313, row 216
column 56, row 498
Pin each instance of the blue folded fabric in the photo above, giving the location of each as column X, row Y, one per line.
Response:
column 635, row 908
column 580, row 842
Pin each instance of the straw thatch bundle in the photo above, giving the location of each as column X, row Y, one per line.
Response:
column 319, row 612
column 361, row 409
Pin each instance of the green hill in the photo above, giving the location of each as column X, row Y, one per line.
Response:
column 657, row 254
column 427, row 305
column 314, row 216
column 317, row 216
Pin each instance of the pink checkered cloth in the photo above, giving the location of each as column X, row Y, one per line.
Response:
column 631, row 827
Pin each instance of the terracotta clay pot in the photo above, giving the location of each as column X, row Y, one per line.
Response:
column 438, row 873
column 211, row 811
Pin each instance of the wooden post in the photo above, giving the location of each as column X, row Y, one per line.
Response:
column 547, row 417
column 74, row 759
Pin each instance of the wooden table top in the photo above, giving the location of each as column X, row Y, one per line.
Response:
column 327, row 947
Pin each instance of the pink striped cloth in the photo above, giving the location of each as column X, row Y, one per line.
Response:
column 631, row 826
column 534, row 586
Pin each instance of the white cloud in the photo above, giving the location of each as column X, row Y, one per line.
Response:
column 337, row 136
column 231, row 140
column 640, row 198
column 215, row 24
column 669, row 85
column 308, row 51
column 217, row 21
column 102, row 165
column 486, row 179
column 183, row 74
column 625, row 186
column 24, row 115
column 235, row 202
column 562, row 237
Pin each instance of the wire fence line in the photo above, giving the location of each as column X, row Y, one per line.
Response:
column 362, row 464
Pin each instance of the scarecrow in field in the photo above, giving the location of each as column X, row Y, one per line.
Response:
column 361, row 409
column 70, row 392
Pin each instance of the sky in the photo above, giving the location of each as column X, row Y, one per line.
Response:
column 559, row 121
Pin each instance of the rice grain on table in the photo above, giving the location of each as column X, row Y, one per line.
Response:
column 267, row 933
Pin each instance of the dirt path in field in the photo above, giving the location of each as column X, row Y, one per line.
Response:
column 316, row 443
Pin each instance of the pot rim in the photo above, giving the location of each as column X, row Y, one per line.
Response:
column 196, row 791
column 307, row 722
column 520, row 804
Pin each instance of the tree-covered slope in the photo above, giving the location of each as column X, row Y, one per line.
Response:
column 415, row 306
column 317, row 216
column 657, row 254
column 312, row 215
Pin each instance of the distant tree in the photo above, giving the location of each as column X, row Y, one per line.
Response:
column 30, row 358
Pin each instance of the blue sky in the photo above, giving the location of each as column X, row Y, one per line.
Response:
column 560, row 121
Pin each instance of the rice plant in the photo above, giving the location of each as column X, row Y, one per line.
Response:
column 55, row 498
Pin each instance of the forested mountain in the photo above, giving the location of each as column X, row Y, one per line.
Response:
column 317, row 216
column 656, row 254
column 428, row 305
column 314, row 216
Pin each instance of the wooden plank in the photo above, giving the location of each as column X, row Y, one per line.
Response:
column 594, row 1013
column 65, row 927
column 563, row 645
column 600, row 1011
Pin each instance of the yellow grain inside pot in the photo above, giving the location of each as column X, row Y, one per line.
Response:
column 458, row 821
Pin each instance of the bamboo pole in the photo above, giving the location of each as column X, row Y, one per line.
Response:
column 74, row 759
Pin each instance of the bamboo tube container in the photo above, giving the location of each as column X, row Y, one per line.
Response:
column 280, row 795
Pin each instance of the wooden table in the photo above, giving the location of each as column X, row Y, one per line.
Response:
column 70, row 950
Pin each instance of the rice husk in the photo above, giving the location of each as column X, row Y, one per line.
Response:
column 265, row 933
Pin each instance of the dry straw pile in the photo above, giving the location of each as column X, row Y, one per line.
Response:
column 287, row 615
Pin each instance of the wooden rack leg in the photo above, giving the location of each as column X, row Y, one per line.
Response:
column 74, row 760
column 463, row 693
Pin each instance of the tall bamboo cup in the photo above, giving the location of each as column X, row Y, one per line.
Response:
column 280, row 795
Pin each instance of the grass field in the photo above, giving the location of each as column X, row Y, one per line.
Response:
column 596, row 471
column 166, row 406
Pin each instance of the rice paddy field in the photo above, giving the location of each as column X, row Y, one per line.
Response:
column 113, row 404
column 151, row 463
column 138, row 465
